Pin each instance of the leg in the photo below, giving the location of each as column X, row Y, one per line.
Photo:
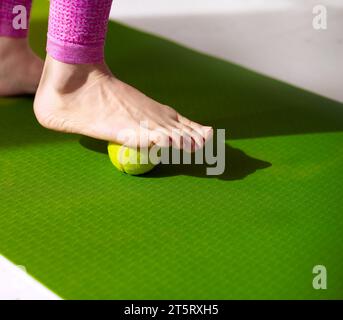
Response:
column 20, row 68
column 79, row 94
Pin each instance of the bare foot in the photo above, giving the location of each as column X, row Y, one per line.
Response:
column 20, row 68
column 89, row 100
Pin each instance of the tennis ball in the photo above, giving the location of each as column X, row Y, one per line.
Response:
column 130, row 160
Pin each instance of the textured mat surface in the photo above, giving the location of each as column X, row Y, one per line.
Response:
column 88, row 231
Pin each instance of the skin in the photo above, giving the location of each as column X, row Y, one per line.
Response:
column 89, row 100
column 20, row 68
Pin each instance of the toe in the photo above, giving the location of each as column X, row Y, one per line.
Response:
column 160, row 137
column 198, row 140
column 204, row 131
column 208, row 132
column 181, row 139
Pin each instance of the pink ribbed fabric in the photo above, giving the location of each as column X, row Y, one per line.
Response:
column 77, row 30
column 8, row 27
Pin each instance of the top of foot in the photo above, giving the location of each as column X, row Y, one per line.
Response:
column 89, row 100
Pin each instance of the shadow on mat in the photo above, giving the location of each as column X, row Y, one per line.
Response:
column 205, row 89
column 209, row 90
column 216, row 92
column 238, row 164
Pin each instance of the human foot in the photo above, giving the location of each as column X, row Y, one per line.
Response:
column 20, row 68
column 89, row 100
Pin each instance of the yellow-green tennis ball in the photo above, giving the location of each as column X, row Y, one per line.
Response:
column 128, row 160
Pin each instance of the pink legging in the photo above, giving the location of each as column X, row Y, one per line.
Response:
column 77, row 28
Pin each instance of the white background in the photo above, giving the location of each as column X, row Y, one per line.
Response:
column 273, row 37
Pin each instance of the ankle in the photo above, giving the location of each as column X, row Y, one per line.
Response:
column 66, row 78
column 9, row 46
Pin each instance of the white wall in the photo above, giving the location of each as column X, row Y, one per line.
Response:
column 273, row 37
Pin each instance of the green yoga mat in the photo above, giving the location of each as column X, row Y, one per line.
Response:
column 87, row 231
